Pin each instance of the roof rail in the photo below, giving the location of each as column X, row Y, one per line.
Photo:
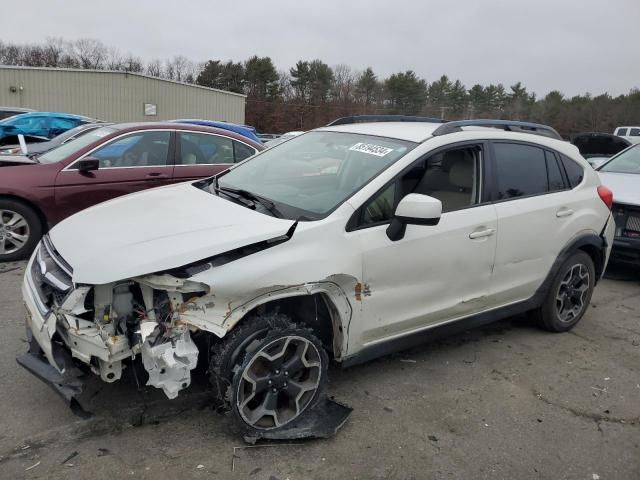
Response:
column 383, row 118
column 508, row 125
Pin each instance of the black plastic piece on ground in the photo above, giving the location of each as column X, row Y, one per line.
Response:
column 322, row 421
column 68, row 385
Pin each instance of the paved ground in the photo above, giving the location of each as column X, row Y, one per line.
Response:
column 504, row 402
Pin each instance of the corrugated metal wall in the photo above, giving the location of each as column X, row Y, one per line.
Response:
column 114, row 96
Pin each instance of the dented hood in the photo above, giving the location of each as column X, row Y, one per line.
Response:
column 157, row 230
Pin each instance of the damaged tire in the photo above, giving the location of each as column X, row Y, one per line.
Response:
column 569, row 295
column 274, row 371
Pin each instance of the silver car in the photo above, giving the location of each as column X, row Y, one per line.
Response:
column 621, row 174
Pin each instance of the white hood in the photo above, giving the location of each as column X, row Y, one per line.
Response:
column 625, row 186
column 157, row 230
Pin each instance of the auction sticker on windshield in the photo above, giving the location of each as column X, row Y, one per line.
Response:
column 371, row 149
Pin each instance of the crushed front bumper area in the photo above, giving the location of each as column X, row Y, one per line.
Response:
column 68, row 384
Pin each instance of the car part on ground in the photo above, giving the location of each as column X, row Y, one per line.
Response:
column 345, row 243
column 596, row 148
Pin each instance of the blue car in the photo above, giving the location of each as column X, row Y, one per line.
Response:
column 40, row 125
column 244, row 130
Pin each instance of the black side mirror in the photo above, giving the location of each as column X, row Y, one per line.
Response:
column 88, row 164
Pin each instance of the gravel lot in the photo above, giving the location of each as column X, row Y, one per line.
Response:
column 503, row 402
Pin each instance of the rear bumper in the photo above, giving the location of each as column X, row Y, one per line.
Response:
column 626, row 250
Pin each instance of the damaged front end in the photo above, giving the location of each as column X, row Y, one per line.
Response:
column 101, row 327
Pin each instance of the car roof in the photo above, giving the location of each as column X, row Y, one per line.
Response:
column 410, row 131
column 54, row 114
column 132, row 126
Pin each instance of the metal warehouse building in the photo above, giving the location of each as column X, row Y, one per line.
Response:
column 115, row 96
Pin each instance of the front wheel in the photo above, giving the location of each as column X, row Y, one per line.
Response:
column 569, row 295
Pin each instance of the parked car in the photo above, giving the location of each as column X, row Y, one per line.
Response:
column 282, row 138
column 6, row 112
column 42, row 125
column 270, row 269
column 104, row 164
column 596, row 148
column 244, row 130
column 629, row 133
column 38, row 148
column 622, row 175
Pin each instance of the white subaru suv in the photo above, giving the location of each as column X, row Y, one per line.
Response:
column 345, row 243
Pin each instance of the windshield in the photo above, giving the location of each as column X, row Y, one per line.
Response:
column 627, row 161
column 310, row 175
column 69, row 148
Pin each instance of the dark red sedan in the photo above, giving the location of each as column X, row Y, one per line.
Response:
column 103, row 164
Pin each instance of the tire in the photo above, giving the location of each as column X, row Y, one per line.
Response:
column 18, row 221
column 251, row 374
column 569, row 295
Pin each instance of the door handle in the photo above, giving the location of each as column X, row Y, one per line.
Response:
column 564, row 212
column 156, row 176
column 487, row 232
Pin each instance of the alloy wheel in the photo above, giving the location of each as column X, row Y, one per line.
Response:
column 572, row 293
column 14, row 232
column 279, row 382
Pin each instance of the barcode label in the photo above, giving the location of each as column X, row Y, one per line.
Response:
column 371, row 149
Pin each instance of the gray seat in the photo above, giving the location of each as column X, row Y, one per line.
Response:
column 454, row 190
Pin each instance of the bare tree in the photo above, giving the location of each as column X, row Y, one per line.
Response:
column 90, row 53
column 344, row 80
column 178, row 68
column 154, row 68
column 54, row 50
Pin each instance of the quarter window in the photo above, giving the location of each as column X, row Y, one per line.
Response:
column 136, row 150
column 575, row 172
column 521, row 170
column 199, row 148
column 242, row 151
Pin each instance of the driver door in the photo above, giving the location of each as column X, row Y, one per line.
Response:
column 132, row 162
column 434, row 274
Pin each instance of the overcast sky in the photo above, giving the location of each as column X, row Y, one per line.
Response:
column 574, row 46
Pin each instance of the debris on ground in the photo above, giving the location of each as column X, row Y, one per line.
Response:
column 322, row 421
column 103, row 451
column 66, row 460
column 32, row 466
column 408, row 360
column 235, row 455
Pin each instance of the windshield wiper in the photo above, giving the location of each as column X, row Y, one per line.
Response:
column 265, row 202
column 235, row 197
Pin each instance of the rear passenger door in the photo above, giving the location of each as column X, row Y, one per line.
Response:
column 535, row 209
column 201, row 154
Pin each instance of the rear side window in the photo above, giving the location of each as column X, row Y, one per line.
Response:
column 622, row 132
column 634, row 132
column 575, row 173
column 521, row 170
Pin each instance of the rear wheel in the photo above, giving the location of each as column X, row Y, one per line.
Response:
column 569, row 295
column 20, row 230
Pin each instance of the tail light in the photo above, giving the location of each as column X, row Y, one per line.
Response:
column 606, row 196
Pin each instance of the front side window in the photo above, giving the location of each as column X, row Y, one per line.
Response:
column 203, row 149
column 312, row 174
column 73, row 146
column 135, row 150
column 622, row 132
column 450, row 176
column 521, row 170
column 628, row 161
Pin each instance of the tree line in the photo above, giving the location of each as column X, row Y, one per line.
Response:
column 312, row 93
